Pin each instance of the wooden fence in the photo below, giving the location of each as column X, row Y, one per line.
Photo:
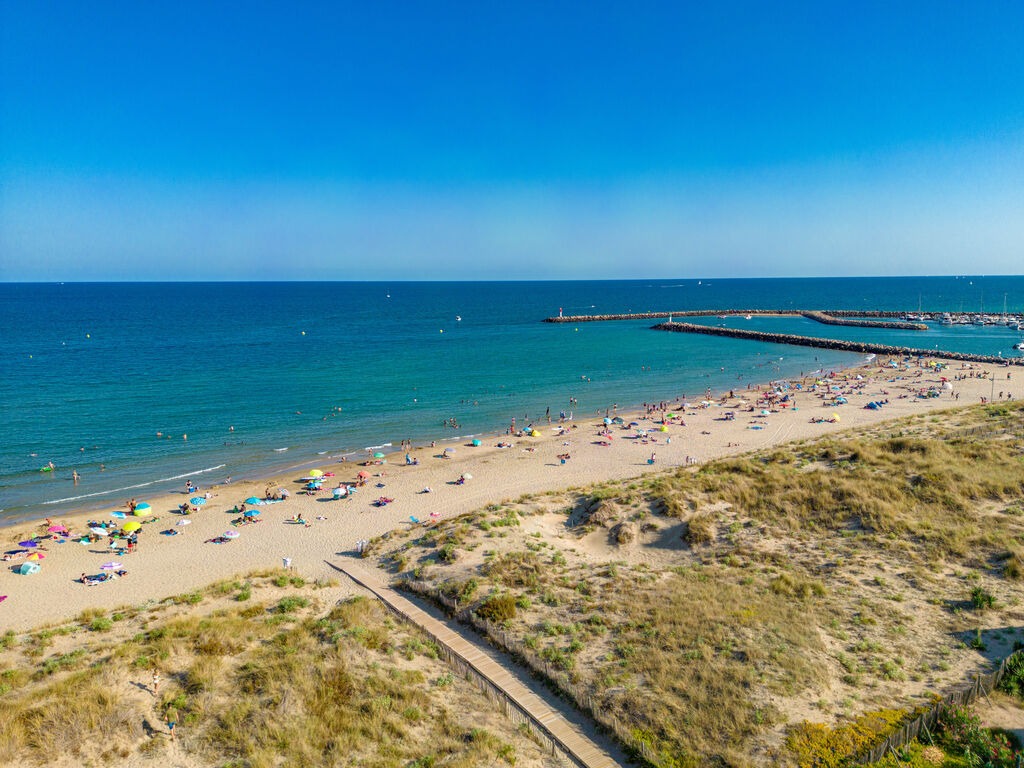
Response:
column 577, row 694
column 580, row 696
column 982, row 685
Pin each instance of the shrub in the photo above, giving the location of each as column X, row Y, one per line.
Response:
column 291, row 603
column 101, row 624
column 982, row 599
column 498, row 608
column 700, row 529
column 1013, row 678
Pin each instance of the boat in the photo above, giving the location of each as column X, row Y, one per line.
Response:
column 1019, row 345
column 458, row 318
column 747, row 317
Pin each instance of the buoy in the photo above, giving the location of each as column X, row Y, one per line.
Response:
column 303, row 333
column 88, row 336
column 575, row 329
column 441, row 331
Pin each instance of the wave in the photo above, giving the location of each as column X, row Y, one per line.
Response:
column 137, row 485
column 280, row 450
column 374, row 447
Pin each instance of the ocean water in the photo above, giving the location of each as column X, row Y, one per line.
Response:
column 307, row 372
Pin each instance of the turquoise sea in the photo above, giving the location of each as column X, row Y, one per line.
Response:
column 306, row 372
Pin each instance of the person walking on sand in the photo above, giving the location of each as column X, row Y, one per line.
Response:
column 171, row 716
column 156, row 682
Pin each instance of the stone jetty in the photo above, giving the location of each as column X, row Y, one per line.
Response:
column 847, row 346
column 837, row 317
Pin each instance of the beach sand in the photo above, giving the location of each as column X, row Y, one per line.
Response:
column 169, row 565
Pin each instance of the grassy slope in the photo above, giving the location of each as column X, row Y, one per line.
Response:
column 260, row 674
column 708, row 608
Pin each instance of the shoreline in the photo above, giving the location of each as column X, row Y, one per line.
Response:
column 174, row 564
column 264, row 474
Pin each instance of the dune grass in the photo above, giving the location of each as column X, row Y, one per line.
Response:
column 751, row 598
column 920, row 486
column 258, row 683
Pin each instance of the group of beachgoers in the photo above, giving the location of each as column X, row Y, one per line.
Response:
column 833, row 390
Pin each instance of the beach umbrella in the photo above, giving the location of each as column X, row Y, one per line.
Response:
column 476, row 443
column 663, row 428
column 36, row 556
column 118, row 515
column 378, row 455
column 231, row 534
column 197, row 500
column 131, row 525
column 315, row 473
column 364, row 474
column 253, row 500
column 142, row 510
column 99, row 531
column 607, row 420
column 26, row 568
column 110, row 566
column 252, row 512
column 29, row 543
column 57, row 529
column 184, row 522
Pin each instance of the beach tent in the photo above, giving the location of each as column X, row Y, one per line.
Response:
column 476, row 443
column 142, row 510
column 27, row 568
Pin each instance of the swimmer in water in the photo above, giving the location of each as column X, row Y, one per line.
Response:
column 75, row 475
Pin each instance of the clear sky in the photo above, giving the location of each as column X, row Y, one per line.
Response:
column 478, row 140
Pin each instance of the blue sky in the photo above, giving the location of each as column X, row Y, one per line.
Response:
column 549, row 140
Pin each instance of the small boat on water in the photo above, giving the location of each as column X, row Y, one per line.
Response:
column 747, row 317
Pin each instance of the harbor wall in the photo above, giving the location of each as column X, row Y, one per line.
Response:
column 847, row 346
column 837, row 317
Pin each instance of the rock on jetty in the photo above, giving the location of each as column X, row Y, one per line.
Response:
column 848, row 346
column 837, row 317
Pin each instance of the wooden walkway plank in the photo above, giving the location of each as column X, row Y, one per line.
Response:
column 551, row 723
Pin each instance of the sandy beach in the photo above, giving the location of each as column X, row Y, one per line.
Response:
column 166, row 565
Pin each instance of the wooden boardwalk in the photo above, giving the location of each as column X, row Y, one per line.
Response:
column 550, row 723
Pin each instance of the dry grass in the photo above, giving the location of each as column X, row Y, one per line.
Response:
column 815, row 581
column 922, row 489
column 254, row 685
